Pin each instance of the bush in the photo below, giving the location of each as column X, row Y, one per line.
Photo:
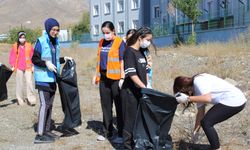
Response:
column 82, row 27
column 178, row 40
column 31, row 34
column 191, row 39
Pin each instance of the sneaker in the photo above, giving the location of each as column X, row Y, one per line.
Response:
column 43, row 139
column 53, row 135
column 117, row 140
column 100, row 138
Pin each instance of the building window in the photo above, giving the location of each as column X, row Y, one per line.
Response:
column 157, row 12
column 135, row 24
column 96, row 30
column 248, row 5
column 120, row 5
column 107, row 8
column 135, row 4
column 121, row 27
column 96, row 10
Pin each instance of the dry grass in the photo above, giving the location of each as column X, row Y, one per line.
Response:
column 223, row 59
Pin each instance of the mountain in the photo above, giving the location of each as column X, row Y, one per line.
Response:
column 33, row 13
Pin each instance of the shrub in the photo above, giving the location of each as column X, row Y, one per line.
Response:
column 191, row 39
column 31, row 34
column 82, row 27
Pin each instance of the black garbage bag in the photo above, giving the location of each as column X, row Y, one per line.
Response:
column 5, row 74
column 68, row 89
column 153, row 120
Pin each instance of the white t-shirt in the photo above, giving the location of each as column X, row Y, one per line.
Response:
column 221, row 91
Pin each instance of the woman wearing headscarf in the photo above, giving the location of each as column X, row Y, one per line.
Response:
column 20, row 61
column 46, row 60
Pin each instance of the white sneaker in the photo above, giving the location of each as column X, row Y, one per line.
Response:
column 117, row 140
column 100, row 138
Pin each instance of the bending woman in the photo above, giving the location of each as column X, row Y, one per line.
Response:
column 204, row 88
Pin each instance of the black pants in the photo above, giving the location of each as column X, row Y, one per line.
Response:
column 130, row 99
column 109, row 92
column 217, row 114
column 44, row 118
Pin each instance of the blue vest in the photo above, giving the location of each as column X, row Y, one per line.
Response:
column 42, row 74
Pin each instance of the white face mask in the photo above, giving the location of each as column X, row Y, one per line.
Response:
column 22, row 40
column 107, row 37
column 145, row 44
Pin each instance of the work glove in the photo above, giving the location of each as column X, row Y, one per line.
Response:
column 66, row 58
column 51, row 66
column 181, row 97
column 120, row 83
column 149, row 86
column 12, row 68
column 94, row 80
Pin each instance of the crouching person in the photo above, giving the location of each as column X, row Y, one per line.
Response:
column 202, row 89
column 46, row 62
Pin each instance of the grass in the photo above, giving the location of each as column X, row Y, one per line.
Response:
column 226, row 60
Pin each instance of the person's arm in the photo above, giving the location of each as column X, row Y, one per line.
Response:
column 36, row 58
column 130, row 68
column 199, row 116
column 121, row 55
column 205, row 98
column 122, row 69
column 12, row 57
column 137, row 81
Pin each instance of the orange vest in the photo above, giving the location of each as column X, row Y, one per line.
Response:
column 113, row 64
column 28, row 48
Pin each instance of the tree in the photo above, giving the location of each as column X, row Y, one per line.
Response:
column 31, row 34
column 82, row 26
column 190, row 9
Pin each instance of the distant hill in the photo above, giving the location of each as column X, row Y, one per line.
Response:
column 32, row 13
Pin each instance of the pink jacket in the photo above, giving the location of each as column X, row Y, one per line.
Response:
column 21, row 64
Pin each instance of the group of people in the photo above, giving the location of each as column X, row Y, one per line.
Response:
column 124, row 67
column 44, row 61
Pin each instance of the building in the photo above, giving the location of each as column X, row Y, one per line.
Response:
column 163, row 18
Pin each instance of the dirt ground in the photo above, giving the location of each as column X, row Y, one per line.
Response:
column 16, row 122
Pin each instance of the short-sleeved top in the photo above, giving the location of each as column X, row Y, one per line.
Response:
column 135, row 63
column 221, row 91
column 106, row 46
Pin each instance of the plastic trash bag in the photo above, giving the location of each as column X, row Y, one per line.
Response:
column 68, row 89
column 5, row 74
column 153, row 120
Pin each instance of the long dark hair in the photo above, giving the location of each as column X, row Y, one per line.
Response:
column 130, row 31
column 185, row 85
column 140, row 33
column 109, row 25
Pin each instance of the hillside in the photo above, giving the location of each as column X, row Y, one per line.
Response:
column 32, row 13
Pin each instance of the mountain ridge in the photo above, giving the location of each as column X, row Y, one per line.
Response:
column 33, row 13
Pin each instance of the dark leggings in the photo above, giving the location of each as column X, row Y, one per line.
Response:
column 217, row 114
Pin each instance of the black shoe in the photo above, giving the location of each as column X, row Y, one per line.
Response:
column 43, row 139
column 53, row 135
